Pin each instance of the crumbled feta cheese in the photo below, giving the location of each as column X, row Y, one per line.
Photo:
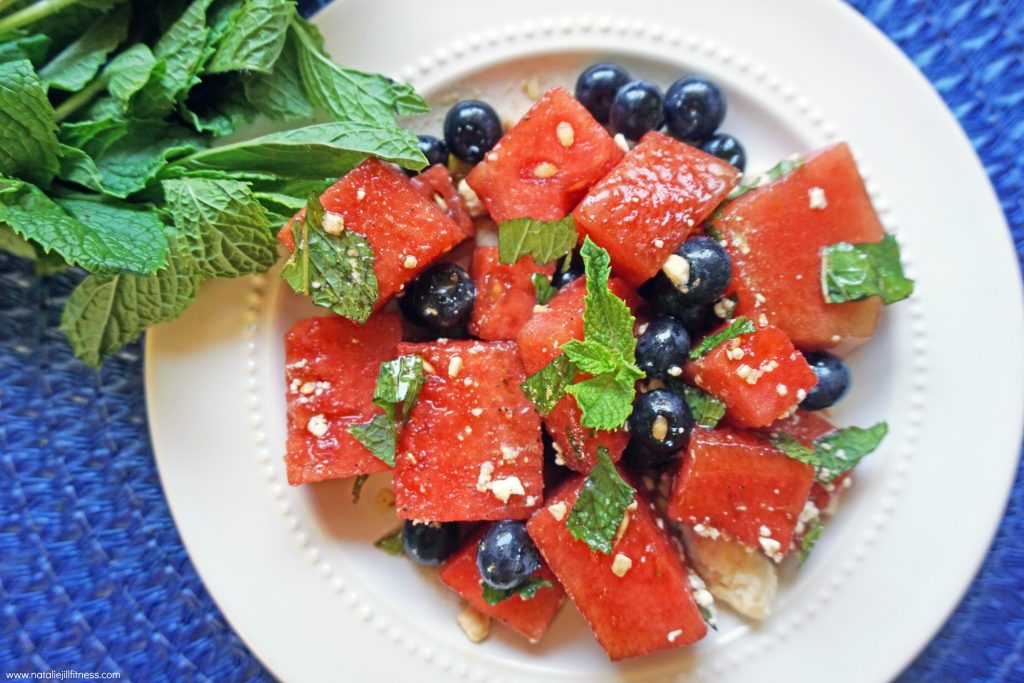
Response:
column 659, row 243
column 771, row 548
column 740, row 242
column 621, row 565
column 621, row 141
column 762, row 320
column 483, row 480
column 454, row 366
column 307, row 388
column 703, row 597
column 801, row 394
column 642, row 328
column 360, row 194
column 474, row 206
column 334, row 223
column 724, row 308
column 317, row 425
column 744, row 371
column 672, row 635
column 477, row 412
column 410, row 262
column 836, row 339
column 566, row 134
column 474, row 623
column 706, row 531
column 816, row 198
column 659, row 430
column 509, row 453
column 735, row 353
column 557, row 511
column 544, row 169
column 503, row 489
column 781, row 389
column 441, row 203
column 759, row 299
column 531, row 500
column 677, row 270
column 675, row 371
column 764, row 531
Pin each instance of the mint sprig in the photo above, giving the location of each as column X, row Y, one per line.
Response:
column 546, row 387
column 600, row 506
column 833, row 453
column 741, row 325
column 851, row 272
column 544, row 240
column 706, row 409
column 526, row 591
column 398, row 386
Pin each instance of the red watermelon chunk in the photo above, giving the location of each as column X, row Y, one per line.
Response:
column 646, row 609
column 471, row 449
column 735, row 484
column 775, row 235
column 331, row 371
column 650, row 203
column 760, row 376
column 530, row 618
column 544, row 165
column 406, row 232
column 505, row 295
column 540, row 341
column 435, row 184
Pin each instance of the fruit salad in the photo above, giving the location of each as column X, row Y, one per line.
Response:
column 597, row 361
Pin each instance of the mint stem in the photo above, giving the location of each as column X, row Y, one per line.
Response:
column 33, row 13
column 79, row 99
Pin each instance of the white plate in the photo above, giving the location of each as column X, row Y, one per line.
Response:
column 293, row 569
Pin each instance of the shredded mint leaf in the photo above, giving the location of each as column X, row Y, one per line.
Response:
column 280, row 94
column 335, row 271
column 810, row 539
column 105, row 312
column 224, row 226
column 708, row 615
column 705, row 408
column 546, row 387
column 546, row 241
column 398, row 386
column 779, row 170
column 833, row 453
column 739, row 326
column 601, row 505
column 543, row 287
column 79, row 62
column 851, row 272
column 606, row 400
column 391, row 543
column 253, row 41
column 357, row 487
column 526, row 591
column 28, row 135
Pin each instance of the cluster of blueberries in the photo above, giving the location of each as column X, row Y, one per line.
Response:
column 441, row 299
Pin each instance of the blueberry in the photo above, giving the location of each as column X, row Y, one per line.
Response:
column 636, row 109
column 833, row 380
column 661, row 422
column 596, row 88
column 694, row 108
column 665, row 299
column 700, row 270
column 663, row 347
column 440, row 299
column 471, row 129
column 506, row 557
column 434, row 149
column 575, row 271
column 641, row 458
column 728, row 149
column 429, row 542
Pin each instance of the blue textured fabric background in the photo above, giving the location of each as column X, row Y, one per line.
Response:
column 93, row 575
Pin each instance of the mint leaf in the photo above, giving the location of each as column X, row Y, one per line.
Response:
column 543, row 287
column 810, row 539
column 79, row 62
column 28, row 139
column 391, row 543
column 253, row 42
column 606, row 318
column 225, row 229
column 318, row 151
column 591, row 357
column 105, row 312
column 851, row 272
column 600, row 506
column 546, row 387
column 184, row 50
column 705, row 408
column 280, row 94
column 779, row 170
column 128, row 72
column 708, row 616
column 129, row 153
column 526, row 591
column 103, row 237
column 544, row 240
column 398, row 386
column 78, row 167
column 739, row 326
column 219, row 109
column 606, row 400
column 335, row 271
column 833, row 453
column 18, row 45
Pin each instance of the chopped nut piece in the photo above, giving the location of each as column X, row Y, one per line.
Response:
column 545, row 169
column 621, row 565
column 557, row 511
column 566, row 134
column 410, row 262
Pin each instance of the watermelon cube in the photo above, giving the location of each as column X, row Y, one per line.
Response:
column 406, row 232
column 760, row 376
column 471, row 448
column 735, row 484
column 435, row 184
column 636, row 600
column 505, row 295
column 544, row 165
column 540, row 341
column 331, row 371
column 775, row 235
column 651, row 202
column 530, row 618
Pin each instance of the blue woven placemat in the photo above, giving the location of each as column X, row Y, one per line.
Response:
column 93, row 575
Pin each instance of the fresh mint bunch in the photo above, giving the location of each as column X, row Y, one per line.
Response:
column 110, row 117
